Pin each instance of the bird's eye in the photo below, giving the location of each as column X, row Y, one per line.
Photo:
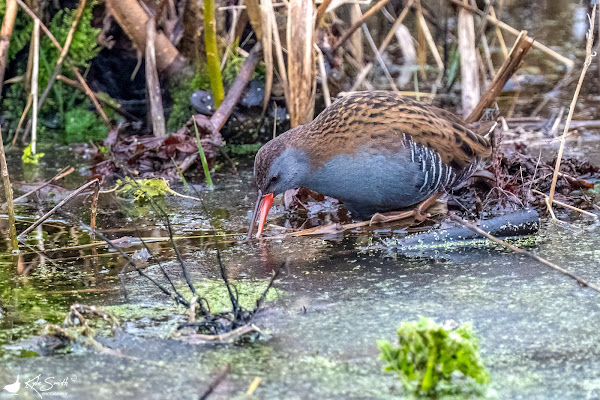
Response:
column 274, row 178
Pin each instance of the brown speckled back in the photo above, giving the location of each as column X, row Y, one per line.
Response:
column 382, row 122
column 380, row 118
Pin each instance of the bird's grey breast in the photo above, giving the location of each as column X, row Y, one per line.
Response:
column 369, row 181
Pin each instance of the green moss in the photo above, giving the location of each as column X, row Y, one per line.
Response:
column 233, row 65
column 84, row 46
column 181, row 91
column 82, row 125
column 238, row 150
column 79, row 123
column 430, row 359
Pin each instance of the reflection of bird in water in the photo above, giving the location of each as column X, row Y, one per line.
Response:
column 13, row 387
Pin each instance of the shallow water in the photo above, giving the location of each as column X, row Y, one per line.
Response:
column 538, row 329
column 335, row 296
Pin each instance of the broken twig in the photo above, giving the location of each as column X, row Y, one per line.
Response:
column 524, row 252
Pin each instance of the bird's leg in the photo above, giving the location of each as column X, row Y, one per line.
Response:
column 418, row 213
column 421, row 213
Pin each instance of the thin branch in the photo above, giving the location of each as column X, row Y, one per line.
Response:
column 359, row 23
column 24, row 234
column 508, row 68
column 61, row 174
column 178, row 298
column 494, row 239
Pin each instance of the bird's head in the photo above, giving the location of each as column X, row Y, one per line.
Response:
column 278, row 166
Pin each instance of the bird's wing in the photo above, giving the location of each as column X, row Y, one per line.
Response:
column 385, row 119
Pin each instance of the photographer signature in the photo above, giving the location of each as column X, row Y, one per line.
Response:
column 43, row 386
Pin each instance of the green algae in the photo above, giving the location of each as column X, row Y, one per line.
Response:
column 249, row 291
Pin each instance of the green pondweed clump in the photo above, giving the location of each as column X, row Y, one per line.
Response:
column 142, row 189
column 431, row 359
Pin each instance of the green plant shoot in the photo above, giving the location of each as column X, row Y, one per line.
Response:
column 209, row 181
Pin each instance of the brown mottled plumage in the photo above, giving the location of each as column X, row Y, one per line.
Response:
column 375, row 151
column 363, row 117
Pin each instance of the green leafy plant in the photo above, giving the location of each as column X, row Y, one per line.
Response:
column 84, row 46
column 431, row 359
column 142, row 189
column 29, row 158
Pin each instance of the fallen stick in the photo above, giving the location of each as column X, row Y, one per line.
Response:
column 524, row 252
column 518, row 223
column 73, row 194
column 560, row 203
column 218, row 119
column 334, row 228
column 213, row 385
column 61, row 174
column 508, row 68
column 228, row 337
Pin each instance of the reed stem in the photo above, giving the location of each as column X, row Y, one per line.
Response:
column 12, row 230
column 212, row 52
